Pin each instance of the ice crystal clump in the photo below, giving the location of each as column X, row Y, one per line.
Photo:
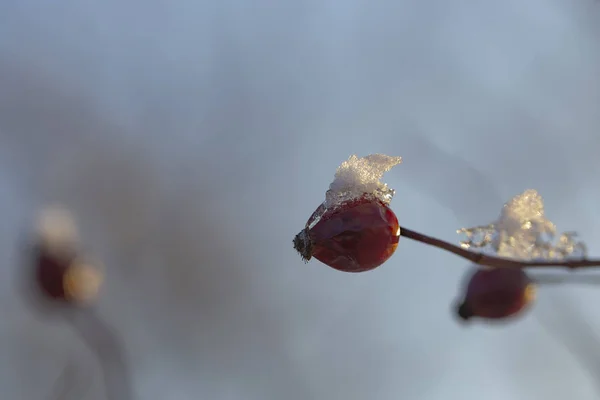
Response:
column 523, row 232
column 359, row 176
column 355, row 178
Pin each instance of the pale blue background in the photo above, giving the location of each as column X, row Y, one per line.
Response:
column 194, row 139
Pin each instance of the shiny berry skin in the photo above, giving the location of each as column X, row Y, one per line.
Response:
column 497, row 294
column 356, row 236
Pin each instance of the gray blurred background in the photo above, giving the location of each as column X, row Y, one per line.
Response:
column 193, row 139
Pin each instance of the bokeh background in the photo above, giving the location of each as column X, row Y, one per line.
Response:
column 193, row 139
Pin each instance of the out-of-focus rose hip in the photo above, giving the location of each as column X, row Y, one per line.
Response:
column 359, row 235
column 497, row 293
column 60, row 274
column 50, row 269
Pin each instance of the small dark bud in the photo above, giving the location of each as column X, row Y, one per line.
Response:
column 464, row 312
column 303, row 245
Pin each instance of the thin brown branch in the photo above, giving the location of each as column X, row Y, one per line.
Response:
column 493, row 261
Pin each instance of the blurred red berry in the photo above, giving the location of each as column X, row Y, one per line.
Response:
column 65, row 278
column 60, row 274
column 50, row 271
column 496, row 294
column 355, row 236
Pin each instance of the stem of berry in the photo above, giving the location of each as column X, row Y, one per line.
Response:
column 493, row 261
column 104, row 343
column 464, row 312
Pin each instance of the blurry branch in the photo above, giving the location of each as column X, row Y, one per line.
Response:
column 66, row 386
column 102, row 341
column 554, row 279
column 493, row 261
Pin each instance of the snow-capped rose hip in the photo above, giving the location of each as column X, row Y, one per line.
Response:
column 496, row 294
column 354, row 230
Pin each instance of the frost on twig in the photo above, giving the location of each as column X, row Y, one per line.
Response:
column 522, row 237
column 523, row 232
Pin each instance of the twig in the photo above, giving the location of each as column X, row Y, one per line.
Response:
column 104, row 343
column 68, row 383
column 548, row 279
column 493, row 261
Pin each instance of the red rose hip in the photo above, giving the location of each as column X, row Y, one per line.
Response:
column 358, row 235
column 496, row 294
